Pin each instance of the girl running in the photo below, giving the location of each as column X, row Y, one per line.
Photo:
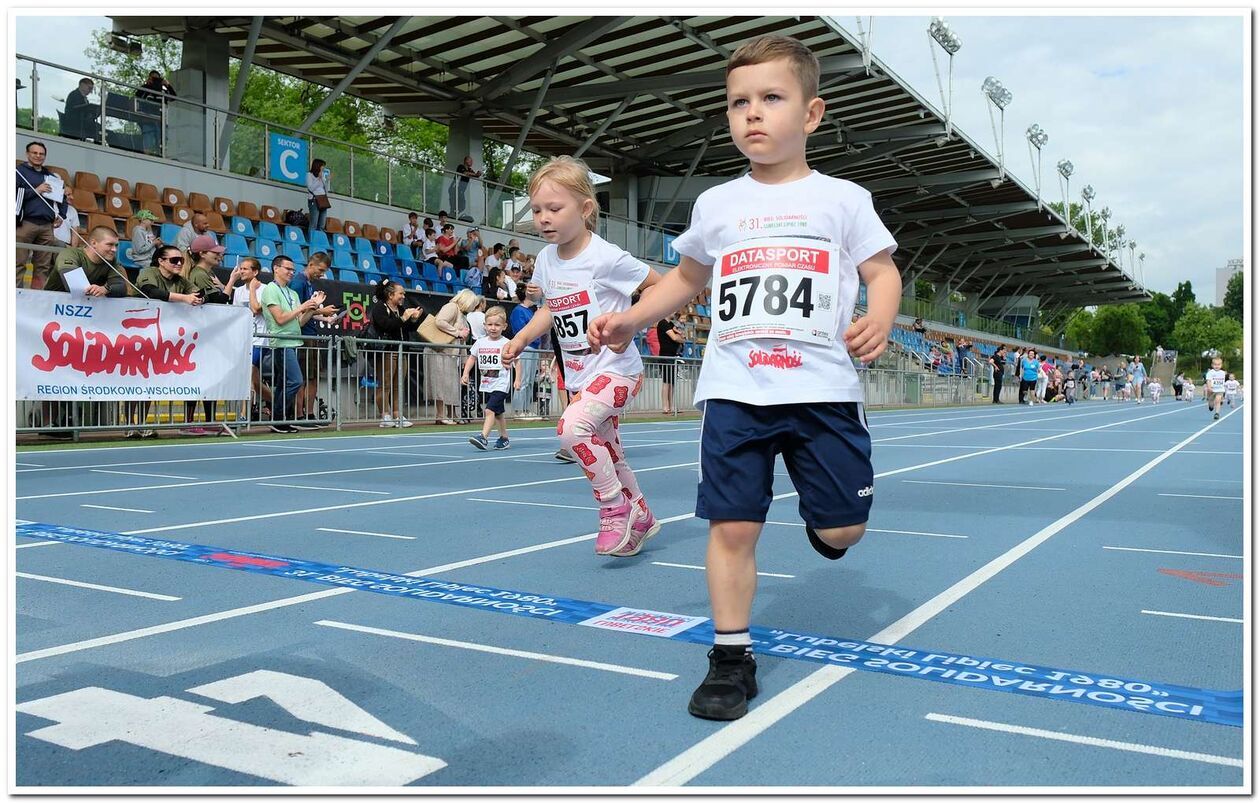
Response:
column 581, row 276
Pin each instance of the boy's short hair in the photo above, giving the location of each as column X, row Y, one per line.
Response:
column 777, row 46
column 496, row 312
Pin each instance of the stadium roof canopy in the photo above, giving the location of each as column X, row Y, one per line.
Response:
column 647, row 95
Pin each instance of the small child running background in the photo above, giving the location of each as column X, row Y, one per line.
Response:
column 580, row 275
column 786, row 248
column 1231, row 390
column 496, row 378
column 1214, row 387
column 1156, row 389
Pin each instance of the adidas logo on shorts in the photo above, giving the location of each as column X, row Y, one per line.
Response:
column 867, row 491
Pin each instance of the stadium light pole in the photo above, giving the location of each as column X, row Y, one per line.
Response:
column 1142, row 268
column 1087, row 195
column 1000, row 97
column 1133, row 256
column 1065, row 169
column 1117, row 245
column 1105, row 214
column 1037, row 138
column 940, row 32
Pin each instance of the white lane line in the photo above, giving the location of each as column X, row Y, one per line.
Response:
column 285, row 446
column 702, row 568
column 534, row 504
column 533, row 656
column 298, row 600
column 142, row 474
column 77, row 584
column 1194, row 616
column 986, row 485
column 729, row 738
column 37, row 543
column 1174, row 552
column 318, row 488
column 1004, row 427
column 1202, row 496
column 33, row 465
column 877, row 530
column 552, row 462
column 1092, row 741
column 364, row 532
column 123, row 509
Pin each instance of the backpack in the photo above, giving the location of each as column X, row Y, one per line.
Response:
column 294, row 217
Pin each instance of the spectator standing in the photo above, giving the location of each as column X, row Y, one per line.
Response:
column 312, row 355
column 392, row 322
column 1029, row 368
column 144, row 243
column 317, row 202
column 155, row 90
column 441, row 365
column 998, row 363
column 97, row 261
column 284, row 315
column 248, row 293
column 527, row 369
column 477, row 321
column 1045, row 370
column 43, row 208
column 464, row 173
column 1139, row 377
column 197, row 226
column 671, row 339
column 80, row 117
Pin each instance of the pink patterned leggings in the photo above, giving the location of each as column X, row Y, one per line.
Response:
column 589, row 429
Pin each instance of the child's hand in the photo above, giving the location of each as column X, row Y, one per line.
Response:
column 867, row 338
column 612, row 330
column 463, row 380
column 509, row 353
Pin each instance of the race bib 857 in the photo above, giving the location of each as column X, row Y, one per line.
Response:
column 777, row 287
column 570, row 316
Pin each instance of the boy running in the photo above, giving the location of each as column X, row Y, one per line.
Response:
column 1214, row 388
column 1231, row 390
column 496, row 378
column 778, row 375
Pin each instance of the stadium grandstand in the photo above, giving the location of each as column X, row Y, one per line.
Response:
column 640, row 99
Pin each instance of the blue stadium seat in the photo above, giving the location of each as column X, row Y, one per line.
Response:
column 403, row 252
column 419, row 285
column 347, row 275
column 342, row 259
column 231, row 260
column 381, row 248
column 429, row 272
column 447, row 275
column 319, row 242
column 265, row 250
column 235, row 243
column 294, row 252
column 169, row 233
column 372, row 277
column 388, row 265
column 294, row 234
column 243, row 226
column 365, row 263
column 124, row 255
column 268, row 231
column 340, row 242
column 363, row 247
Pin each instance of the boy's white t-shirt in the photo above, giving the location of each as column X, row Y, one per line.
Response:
column 600, row 279
column 1215, row 381
column 488, row 354
column 773, row 370
column 1231, row 386
column 240, row 298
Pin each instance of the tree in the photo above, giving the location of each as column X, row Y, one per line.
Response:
column 1118, row 329
column 1200, row 330
column 156, row 53
column 1159, row 316
column 1080, row 330
column 1233, row 305
column 1182, row 297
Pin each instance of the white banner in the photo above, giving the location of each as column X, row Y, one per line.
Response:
column 100, row 349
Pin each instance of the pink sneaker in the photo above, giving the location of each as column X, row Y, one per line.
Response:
column 614, row 528
column 643, row 526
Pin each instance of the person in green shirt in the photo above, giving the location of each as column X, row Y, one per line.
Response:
column 284, row 315
column 163, row 280
column 207, row 255
column 96, row 260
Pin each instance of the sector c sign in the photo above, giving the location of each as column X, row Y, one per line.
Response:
column 288, row 159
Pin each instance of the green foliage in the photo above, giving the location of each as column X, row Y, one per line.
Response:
column 1160, row 316
column 1118, row 329
column 1080, row 329
column 1200, row 329
column 923, row 289
column 1182, row 297
column 1233, row 306
column 158, row 53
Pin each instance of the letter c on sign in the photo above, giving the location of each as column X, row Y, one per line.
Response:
column 285, row 156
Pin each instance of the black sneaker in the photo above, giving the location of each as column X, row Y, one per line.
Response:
column 730, row 684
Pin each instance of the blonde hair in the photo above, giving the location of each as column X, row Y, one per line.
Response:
column 777, row 46
column 573, row 175
column 466, row 300
column 496, row 312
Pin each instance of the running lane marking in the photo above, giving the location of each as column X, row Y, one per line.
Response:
column 123, row 509
column 182, row 624
column 318, row 488
column 141, row 474
column 95, row 587
column 703, row 569
column 876, row 530
column 533, row 656
column 729, row 738
column 1194, row 616
column 1203, row 496
column 1093, row 741
column 986, row 485
column 532, row 504
column 1174, row 552
column 362, row 532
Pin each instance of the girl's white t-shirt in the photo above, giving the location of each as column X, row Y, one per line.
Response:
column 488, row 353
column 769, row 370
column 604, row 276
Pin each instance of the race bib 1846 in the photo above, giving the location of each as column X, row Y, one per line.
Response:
column 777, row 287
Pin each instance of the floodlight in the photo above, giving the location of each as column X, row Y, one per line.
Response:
column 1065, row 168
column 1037, row 137
column 944, row 35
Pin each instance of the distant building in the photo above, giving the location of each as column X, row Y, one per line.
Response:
column 1222, row 278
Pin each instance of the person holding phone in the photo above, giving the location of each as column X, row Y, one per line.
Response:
column 317, row 201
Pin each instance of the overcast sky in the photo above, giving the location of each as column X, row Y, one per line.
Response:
column 1148, row 109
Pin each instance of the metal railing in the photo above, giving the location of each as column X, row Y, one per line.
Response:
column 199, row 134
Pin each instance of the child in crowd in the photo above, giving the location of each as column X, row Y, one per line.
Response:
column 1214, row 388
column 1187, row 390
column 487, row 355
column 582, row 275
column 795, row 393
column 1231, row 390
column 1155, row 388
column 1069, row 387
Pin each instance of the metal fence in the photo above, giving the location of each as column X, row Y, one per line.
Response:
column 349, row 382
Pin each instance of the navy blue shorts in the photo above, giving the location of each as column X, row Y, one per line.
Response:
column 826, row 447
column 495, row 401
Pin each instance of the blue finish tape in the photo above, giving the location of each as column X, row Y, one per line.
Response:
column 1182, row 702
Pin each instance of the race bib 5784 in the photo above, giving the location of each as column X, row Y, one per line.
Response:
column 777, row 287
